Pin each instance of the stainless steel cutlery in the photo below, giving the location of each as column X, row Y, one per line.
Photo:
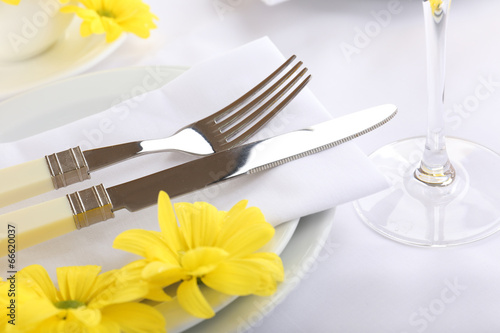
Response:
column 96, row 204
column 222, row 130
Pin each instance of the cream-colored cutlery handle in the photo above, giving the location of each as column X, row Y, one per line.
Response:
column 32, row 225
column 32, row 178
column 24, row 181
column 39, row 223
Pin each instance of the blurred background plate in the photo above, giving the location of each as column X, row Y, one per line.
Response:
column 71, row 55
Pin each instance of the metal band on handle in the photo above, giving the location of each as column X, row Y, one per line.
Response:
column 67, row 167
column 90, row 206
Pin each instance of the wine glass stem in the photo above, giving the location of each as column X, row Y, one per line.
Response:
column 435, row 168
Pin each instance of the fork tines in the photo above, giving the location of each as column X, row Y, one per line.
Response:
column 240, row 120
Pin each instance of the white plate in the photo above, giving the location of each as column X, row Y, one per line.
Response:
column 46, row 107
column 71, row 55
column 299, row 256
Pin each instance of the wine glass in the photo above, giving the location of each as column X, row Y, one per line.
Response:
column 433, row 200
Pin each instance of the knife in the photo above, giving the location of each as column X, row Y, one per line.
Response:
column 84, row 208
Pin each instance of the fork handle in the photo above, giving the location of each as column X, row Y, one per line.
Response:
column 71, row 166
column 26, row 180
column 186, row 140
column 102, row 157
column 29, row 179
column 23, row 181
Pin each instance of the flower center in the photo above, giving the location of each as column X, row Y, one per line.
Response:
column 105, row 13
column 70, row 304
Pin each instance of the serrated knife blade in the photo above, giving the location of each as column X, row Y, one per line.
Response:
column 248, row 159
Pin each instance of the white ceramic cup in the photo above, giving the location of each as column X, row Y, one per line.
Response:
column 30, row 28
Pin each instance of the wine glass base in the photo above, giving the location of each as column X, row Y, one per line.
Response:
column 414, row 213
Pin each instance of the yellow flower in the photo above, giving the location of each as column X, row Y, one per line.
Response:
column 85, row 302
column 113, row 17
column 216, row 247
column 12, row 2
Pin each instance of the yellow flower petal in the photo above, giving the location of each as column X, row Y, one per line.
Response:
column 134, row 269
column 76, row 282
column 247, row 240
column 270, row 270
column 97, row 26
column 135, row 318
column 141, row 30
column 145, row 243
column 237, row 209
column 12, row 2
column 56, row 325
column 35, row 312
column 267, row 286
column 134, row 272
column 234, row 278
column 272, row 263
column 91, row 317
column 70, row 9
column 156, row 293
column 159, row 272
column 118, row 287
column 191, row 299
column 168, row 223
column 240, row 218
column 39, row 281
column 102, row 282
column 112, row 28
column 205, row 224
column 86, row 29
column 183, row 211
column 84, row 14
column 91, row 3
column 106, row 325
column 203, row 260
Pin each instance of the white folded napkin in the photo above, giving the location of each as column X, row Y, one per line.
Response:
column 290, row 191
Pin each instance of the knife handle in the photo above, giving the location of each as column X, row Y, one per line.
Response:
column 39, row 223
column 23, row 181
column 29, row 226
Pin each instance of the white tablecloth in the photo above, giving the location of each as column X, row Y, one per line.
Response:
column 364, row 53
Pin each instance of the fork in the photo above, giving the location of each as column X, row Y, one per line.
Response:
column 222, row 130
